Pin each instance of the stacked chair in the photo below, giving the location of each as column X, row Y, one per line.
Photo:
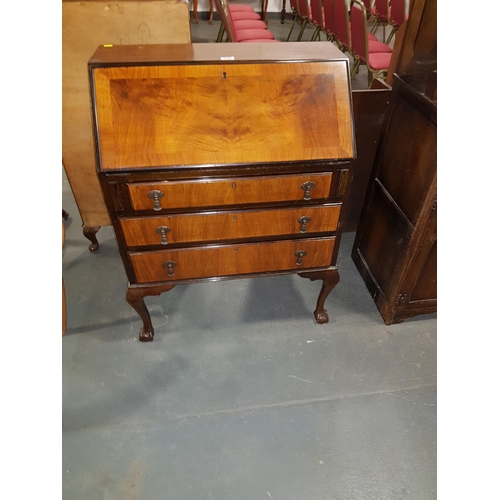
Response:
column 242, row 24
column 295, row 12
column 318, row 19
column 380, row 14
column 303, row 10
column 364, row 51
column 398, row 14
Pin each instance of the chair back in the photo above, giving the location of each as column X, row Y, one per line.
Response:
column 328, row 17
column 223, row 11
column 341, row 20
column 317, row 13
column 359, row 30
column 304, row 10
column 399, row 12
column 381, row 8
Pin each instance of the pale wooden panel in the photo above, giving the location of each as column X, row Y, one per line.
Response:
column 237, row 191
column 86, row 25
column 232, row 260
column 229, row 225
column 252, row 113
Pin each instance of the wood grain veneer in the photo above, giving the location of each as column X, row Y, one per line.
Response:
column 223, row 161
column 186, row 228
column 211, row 262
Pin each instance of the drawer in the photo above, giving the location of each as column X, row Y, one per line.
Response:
column 234, row 191
column 187, row 228
column 230, row 260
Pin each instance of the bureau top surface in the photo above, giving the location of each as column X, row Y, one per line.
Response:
column 212, row 52
column 160, row 106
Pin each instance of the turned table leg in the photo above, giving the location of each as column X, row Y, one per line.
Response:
column 330, row 279
column 195, row 11
column 135, row 297
column 90, row 233
column 283, row 12
column 211, row 2
column 264, row 10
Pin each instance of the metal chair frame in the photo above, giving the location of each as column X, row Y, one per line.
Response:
column 378, row 20
column 372, row 74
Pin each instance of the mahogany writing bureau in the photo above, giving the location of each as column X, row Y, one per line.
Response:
column 222, row 161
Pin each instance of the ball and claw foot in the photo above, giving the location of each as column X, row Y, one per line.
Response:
column 146, row 336
column 321, row 317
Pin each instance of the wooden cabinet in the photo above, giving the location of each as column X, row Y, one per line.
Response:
column 223, row 161
column 395, row 248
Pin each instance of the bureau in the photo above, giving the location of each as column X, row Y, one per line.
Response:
column 223, row 161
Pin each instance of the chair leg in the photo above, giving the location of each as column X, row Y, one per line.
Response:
column 315, row 34
column 355, row 66
column 391, row 34
column 221, row 33
column 293, row 24
column 302, row 28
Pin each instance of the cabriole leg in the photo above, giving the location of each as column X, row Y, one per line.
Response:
column 90, row 233
column 135, row 297
column 330, row 280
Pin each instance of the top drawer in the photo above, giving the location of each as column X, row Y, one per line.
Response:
column 236, row 191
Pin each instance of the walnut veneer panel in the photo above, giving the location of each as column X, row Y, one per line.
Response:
column 223, row 161
column 86, row 25
column 231, row 260
column 235, row 191
column 222, row 114
column 230, row 225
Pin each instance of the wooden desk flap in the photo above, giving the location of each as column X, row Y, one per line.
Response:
column 224, row 112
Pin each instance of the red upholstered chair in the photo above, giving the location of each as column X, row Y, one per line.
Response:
column 240, row 8
column 329, row 20
column 238, row 13
column 398, row 14
column 377, row 63
column 296, row 15
column 341, row 24
column 304, row 11
column 380, row 12
column 249, row 31
column 317, row 19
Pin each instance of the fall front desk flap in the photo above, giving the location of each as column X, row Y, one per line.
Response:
column 202, row 104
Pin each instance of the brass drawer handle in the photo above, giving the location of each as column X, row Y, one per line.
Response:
column 170, row 264
column 303, row 223
column 163, row 230
column 156, row 196
column 307, row 186
column 299, row 254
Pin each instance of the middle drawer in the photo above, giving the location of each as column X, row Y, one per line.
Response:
column 186, row 228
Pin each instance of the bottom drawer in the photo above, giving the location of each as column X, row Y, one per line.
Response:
column 229, row 260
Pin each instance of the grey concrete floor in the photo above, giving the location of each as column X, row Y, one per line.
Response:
column 241, row 396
